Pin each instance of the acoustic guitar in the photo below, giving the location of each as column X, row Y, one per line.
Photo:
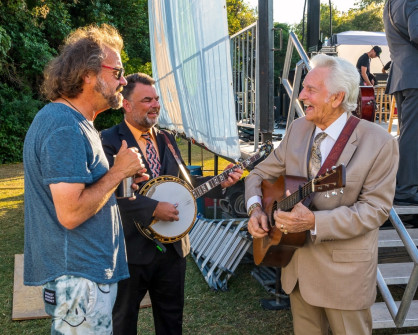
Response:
column 276, row 249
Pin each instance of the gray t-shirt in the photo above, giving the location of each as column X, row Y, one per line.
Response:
column 62, row 146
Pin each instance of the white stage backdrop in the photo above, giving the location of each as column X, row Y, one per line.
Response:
column 191, row 64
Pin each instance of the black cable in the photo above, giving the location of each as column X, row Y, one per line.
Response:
column 330, row 20
column 303, row 22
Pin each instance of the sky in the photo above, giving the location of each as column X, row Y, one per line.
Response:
column 290, row 11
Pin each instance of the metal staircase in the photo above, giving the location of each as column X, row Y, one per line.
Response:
column 404, row 313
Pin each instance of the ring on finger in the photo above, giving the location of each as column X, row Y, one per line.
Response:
column 282, row 226
column 285, row 232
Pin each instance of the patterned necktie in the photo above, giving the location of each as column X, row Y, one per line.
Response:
column 152, row 156
column 316, row 157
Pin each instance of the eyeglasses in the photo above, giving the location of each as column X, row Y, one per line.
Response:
column 120, row 71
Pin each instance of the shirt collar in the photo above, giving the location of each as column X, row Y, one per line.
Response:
column 138, row 133
column 334, row 130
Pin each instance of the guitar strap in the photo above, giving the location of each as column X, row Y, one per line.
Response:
column 178, row 160
column 339, row 145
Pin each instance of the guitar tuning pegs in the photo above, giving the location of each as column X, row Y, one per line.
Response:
column 327, row 195
column 334, row 193
column 341, row 191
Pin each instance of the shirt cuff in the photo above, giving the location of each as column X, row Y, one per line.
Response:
column 253, row 200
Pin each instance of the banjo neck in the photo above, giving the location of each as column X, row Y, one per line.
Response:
column 217, row 180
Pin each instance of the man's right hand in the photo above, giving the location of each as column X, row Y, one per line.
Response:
column 166, row 211
column 128, row 162
column 258, row 224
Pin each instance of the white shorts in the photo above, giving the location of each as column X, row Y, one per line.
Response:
column 79, row 306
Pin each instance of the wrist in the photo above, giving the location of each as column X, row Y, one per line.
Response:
column 252, row 208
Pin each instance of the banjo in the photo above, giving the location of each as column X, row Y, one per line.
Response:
column 175, row 190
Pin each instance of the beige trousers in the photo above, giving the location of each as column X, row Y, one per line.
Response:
column 313, row 320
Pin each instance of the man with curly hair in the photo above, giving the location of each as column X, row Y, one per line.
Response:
column 74, row 242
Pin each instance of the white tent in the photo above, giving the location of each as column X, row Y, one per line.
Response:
column 352, row 44
column 360, row 38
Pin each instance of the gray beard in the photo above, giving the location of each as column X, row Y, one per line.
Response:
column 145, row 122
column 114, row 101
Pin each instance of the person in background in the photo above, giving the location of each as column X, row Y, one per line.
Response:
column 363, row 66
column 161, row 274
column 74, row 242
column 402, row 37
column 331, row 279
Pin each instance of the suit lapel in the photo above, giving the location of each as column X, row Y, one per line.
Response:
column 306, row 154
column 126, row 134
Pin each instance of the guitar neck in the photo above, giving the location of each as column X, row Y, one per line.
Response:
column 217, row 180
column 288, row 203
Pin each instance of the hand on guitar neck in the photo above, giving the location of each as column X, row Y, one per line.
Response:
column 299, row 219
column 279, row 227
column 233, row 176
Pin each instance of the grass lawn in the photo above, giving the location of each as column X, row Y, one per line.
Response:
column 207, row 312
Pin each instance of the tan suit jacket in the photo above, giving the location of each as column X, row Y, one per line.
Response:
column 337, row 267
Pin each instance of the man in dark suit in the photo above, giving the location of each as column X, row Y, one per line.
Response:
column 402, row 36
column 162, row 274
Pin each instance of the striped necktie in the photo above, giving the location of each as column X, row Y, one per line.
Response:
column 152, row 156
column 316, row 157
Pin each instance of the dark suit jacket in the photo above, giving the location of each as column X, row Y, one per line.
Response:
column 404, row 70
column 141, row 250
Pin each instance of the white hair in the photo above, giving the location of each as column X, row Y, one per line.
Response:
column 343, row 77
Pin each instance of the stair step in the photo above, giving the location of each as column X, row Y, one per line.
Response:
column 396, row 273
column 390, row 238
column 382, row 318
column 401, row 210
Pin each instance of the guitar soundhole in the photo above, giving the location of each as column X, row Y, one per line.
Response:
column 274, row 208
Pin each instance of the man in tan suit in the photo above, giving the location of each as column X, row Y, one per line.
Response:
column 331, row 280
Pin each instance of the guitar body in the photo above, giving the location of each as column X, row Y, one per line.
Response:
column 366, row 104
column 276, row 249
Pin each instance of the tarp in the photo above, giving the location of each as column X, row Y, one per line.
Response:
column 359, row 38
column 191, row 63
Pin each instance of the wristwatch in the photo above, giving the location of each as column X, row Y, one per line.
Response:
column 252, row 207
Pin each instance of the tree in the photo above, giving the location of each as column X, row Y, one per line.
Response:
column 31, row 32
column 239, row 15
column 368, row 16
column 365, row 3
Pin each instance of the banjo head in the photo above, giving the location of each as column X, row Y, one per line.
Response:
column 176, row 191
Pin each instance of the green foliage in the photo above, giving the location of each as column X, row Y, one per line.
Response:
column 18, row 109
column 365, row 3
column 108, row 119
column 280, row 55
column 31, row 32
column 5, row 45
column 367, row 16
column 240, row 15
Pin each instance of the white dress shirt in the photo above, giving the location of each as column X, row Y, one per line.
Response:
column 333, row 131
